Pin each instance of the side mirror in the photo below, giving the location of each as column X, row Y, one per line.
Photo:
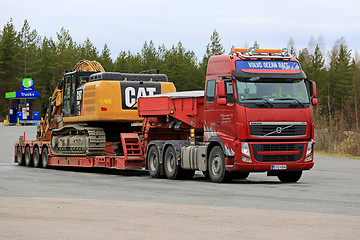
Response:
column 222, row 101
column 314, row 101
column 313, row 89
column 221, row 89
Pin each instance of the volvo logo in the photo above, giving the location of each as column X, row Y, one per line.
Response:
column 278, row 130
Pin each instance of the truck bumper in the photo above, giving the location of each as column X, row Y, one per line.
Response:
column 260, row 167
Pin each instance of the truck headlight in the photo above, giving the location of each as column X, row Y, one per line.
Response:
column 245, row 149
column 309, row 148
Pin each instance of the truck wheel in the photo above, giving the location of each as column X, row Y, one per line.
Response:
column 19, row 156
column 153, row 162
column 28, row 157
column 36, row 158
column 44, row 155
column 289, row 176
column 172, row 170
column 216, row 166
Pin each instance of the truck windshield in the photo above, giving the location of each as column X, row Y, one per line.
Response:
column 272, row 91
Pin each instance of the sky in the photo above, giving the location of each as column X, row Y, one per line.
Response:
column 126, row 24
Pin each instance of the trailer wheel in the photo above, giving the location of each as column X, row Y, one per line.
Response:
column 153, row 162
column 289, row 176
column 172, row 170
column 36, row 157
column 44, row 155
column 19, row 156
column 216, row 166
column 28, row 157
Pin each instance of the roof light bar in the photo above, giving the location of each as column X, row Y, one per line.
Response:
column 252, row 51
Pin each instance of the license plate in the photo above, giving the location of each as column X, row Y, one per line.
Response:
column 278, row 167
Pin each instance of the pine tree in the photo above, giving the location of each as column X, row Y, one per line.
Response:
column 106, row 60
column 28, row 48
column 213, row 48
column 66, row 48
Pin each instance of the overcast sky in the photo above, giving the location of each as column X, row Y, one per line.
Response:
column 127, row 24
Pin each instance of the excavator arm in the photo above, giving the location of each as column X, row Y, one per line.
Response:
column 86, row 65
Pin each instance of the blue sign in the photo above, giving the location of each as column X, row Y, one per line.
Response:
column 268, row 65
column 15, row 95
column 27, row 85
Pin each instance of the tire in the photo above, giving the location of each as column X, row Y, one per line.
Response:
column 153, row 162
column 44, row 154
column 289, row 176
column 36, row 158
column 172, row 169
column 240, row 175
column 216, row 167
column 19, row 156
column 28, row 157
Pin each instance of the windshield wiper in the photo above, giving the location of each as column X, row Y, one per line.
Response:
column 262, row 99
column 294, row 99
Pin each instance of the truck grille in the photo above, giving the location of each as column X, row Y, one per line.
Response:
column 289, row 129
column 274, row 148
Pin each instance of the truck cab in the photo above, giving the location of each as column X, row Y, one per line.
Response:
column 258, row 110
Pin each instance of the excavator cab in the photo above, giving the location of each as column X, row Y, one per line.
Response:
column 71, row 82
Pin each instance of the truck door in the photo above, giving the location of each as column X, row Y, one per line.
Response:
column 219, row 113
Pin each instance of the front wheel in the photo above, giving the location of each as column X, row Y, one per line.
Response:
column 216, row 167
column 289, row 176
column 19, row 156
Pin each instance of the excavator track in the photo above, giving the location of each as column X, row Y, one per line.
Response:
column 74, row 140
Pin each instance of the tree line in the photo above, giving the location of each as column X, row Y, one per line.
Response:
column 25, row 53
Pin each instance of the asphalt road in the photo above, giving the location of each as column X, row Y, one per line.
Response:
column 79, row 203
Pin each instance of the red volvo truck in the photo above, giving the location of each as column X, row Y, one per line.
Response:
column 255, row 115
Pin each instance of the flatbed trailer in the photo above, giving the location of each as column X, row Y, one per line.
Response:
column 38, row 154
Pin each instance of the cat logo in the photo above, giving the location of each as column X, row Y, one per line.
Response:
column 131, row 91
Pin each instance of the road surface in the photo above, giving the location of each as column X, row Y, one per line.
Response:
column 78, row 203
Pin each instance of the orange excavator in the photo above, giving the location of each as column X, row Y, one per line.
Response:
column 90, row 107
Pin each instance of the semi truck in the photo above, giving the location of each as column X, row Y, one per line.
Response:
column 254, row 115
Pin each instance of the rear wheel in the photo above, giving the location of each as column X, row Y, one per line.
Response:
column 36, row 158
column 172, row 169
column 154, row 166
column 216, row 166
column 289, row 176
column 19, row 156
column 28, row 157
column 44, row 155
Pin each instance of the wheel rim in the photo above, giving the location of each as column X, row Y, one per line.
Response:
column 19, row 155
column 27, row 157
column 170, row 162
column 36, row 157
column 153, row 162
column 216, row 165
column 44, row 157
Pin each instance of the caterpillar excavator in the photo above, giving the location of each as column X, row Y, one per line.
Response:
column 91, row 107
